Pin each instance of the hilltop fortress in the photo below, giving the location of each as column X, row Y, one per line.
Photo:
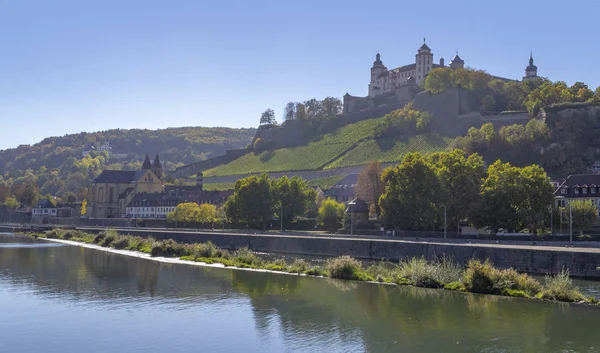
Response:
column 452, row 112
column 401, row 84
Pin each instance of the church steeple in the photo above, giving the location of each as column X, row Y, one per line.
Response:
column 531, row 69
column 157, row 168
column 156, row 162
column 147, row 165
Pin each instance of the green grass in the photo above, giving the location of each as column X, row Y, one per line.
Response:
column 326, row 182
column 390, row 149
column 313, row 156
column 218, row 186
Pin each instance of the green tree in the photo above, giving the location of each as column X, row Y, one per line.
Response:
column 268, row 117
column 331, row 215
column 186, row 212
column 459, row 178
column 206, row 213
column 546, row 94
column 513, row 198
column 11, row 203
column 488, row 104
column 29, row 195
column 4, row 193
column 252, row 201
column 331, row 107
column 289, row 112
column 411, row 195
column 584, row 214
column 438, row 80
column 294, row 196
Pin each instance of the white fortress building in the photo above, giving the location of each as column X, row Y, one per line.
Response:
column 385, row 81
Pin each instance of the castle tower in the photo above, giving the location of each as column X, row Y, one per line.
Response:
column 157, row 168
column 377, row 69
column 441, row 62
column 147, row 165
column 457, row 62
column 424, row 62
column 530, row 70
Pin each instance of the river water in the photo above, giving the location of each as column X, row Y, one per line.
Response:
column 60, row 298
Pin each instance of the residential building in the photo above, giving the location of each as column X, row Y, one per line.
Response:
column 344, row 190
column 578, row 187
column 158, row 205
column 43, row 211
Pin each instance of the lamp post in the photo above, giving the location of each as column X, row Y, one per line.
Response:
column 351, row 208
column 281, row 217
column 444, row 221
column 570, row 223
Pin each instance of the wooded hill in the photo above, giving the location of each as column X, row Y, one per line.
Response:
column 56, row 164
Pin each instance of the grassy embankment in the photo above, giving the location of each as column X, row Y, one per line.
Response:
column 477, row 277
column 330, row 150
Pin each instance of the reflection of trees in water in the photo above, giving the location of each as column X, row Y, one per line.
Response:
column 364, row 315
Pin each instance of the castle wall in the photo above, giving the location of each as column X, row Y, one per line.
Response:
column 198, row 167
column 500, row 120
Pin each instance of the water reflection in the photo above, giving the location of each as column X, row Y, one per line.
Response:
column 262, row 312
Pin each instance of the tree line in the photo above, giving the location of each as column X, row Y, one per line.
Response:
column 497, row 95
column 312, row 110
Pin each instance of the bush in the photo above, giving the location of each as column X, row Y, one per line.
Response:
column 121, row 242
column 247, row 257
column 435, row 274
column 168, row 248
column 206, row 250
column 560, row 287
column 107, row 237
column 55, row 234
column 485, row 278
column 299, row 266
column 343, row 267
column 479, row 277
column 315, row 271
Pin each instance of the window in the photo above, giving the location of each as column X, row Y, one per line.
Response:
column 593, row 190
column 563, row 191
column 584, row 190
column 576, row 191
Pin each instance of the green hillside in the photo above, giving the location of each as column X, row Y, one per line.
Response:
column 350, row 145
column 316, row 155
column 56, row 164
column 390, row 149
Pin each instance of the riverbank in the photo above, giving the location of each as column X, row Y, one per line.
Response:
column 444, row 273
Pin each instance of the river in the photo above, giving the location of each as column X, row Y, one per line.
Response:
column 61, row 298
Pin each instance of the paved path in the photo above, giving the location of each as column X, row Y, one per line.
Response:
column 538, row 246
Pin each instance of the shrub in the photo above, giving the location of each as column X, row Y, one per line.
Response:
column 299, row 266
column 205, row 250
column 485, row 278
column 121, row 242
column 277, row 265
column 315, row 271
column 107, row 237
column 434, row 274
column 167, row 248
column 560, row 287
column 343, row 267
column 479, row 277
column 54, row 234
column 247, row 257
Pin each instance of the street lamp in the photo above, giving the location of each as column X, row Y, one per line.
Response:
column 444, row 221
column 351, row 208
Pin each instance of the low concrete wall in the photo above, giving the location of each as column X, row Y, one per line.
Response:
column 581, row 263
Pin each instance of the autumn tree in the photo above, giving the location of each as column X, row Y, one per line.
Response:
column 331, row 215
column 438, row 80
column 268, row 117
column 29, row 194
column 186, row 212
column 207, row 213
column 584, row 214
column 11, row 203
column 83, row 207
column 369, row 185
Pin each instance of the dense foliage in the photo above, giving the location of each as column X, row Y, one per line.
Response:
column 404, row 121
column 331, row 215
column 257, row 200
column 56, row 166
column 421, row 187
column 191, row 212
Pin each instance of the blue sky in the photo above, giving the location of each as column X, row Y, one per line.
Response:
column 68, row 66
